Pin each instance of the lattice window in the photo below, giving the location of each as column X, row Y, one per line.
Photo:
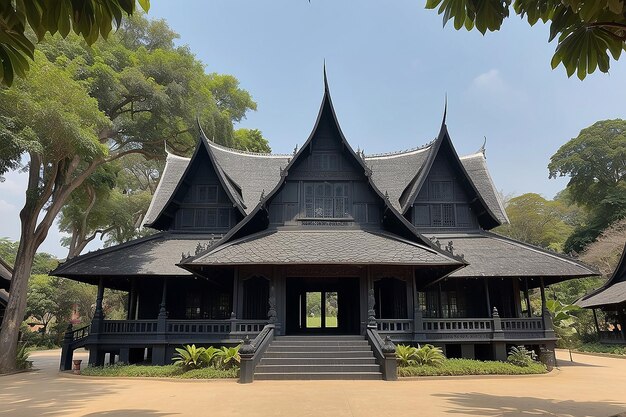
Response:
column 441, row 190
column 326, row 200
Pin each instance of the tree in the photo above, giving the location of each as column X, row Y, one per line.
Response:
column 251, row 140
column 595, row 161
column 537, row 221
column 60, row 139
column 87, row 18
column 83, row 107
column 41, row 300
column 589, row 32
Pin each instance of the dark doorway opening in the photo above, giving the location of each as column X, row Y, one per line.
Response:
column 323, row 305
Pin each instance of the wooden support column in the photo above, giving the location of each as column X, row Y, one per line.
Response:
column 542, row 288
column 418, row 319
column 545, row 313
column 527, row 296
column 236, row 293
column 439, row 301
column 595, row 321
column 132, row 299
column 486, row 283
column 159, row 351
column 98, row 316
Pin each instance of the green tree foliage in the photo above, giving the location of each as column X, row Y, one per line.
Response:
column 595, row 161
column 251, row 140
column 42, row 263
column 588, row 32
column 90, row 19
column 83, row 107
column 541, row 222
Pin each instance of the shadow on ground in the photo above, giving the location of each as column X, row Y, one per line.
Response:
column 480, row 404
column 128, row 413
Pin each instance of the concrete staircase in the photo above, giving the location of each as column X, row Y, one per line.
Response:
column 318, row 357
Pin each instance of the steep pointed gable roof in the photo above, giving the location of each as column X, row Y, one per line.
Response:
column 157, row 212
column 258, row 219
column 612, row 292
column 443, row 143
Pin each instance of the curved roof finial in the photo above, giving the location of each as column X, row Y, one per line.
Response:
column 202, row 134
column 325, row 77
column 445, row 109
column 482, row 149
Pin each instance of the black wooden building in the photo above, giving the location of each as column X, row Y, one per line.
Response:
column 5, row 284
column 611, row 299
column 399, row 241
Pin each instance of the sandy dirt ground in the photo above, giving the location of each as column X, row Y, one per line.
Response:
column 589, row 386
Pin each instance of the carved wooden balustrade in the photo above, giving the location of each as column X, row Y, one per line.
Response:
column 450, row 329
column 611, row 337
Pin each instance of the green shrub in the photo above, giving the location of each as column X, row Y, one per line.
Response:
column 227, row 357
column 520, row 356
column 405, row 355
column 456, row 367
column 167, row 371
column 191, row 357
column 602, row 348
column 21, row 360
column 429, row 355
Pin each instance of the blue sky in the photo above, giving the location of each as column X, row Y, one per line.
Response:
column 390, row 65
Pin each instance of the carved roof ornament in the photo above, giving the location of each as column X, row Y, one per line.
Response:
column 262, row 195
column 435, row 242
column 482, row 149
column 295, row 150
column 450, row 247
column 387, row 195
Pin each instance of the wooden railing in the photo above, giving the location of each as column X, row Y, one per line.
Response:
column 198, row 326
column 249, row 326
column 611, row 337
column 251, row 352
column 81, row 333
column 452, row 325
column 394, row 325
column 129, row 326
column 524, row 324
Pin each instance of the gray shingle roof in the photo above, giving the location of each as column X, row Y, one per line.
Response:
column 612, row 292
column 322, row 247
column 155, row 255
column 175, row 167
column 476, row 167
column 255, row 173
column 490, row 255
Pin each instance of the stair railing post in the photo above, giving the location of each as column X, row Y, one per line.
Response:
column 246, row 364
column 390, row 368
column 67, row 352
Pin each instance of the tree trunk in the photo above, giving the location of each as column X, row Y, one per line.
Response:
column 14, row 314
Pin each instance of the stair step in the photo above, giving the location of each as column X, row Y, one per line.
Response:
column 287, row 369
column 307, row 348
column 312, row 338
column 322, row 343
column 319, row 354
column 371, row 360
column 318, row 375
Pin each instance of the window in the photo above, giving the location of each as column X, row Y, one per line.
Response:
column 326, row 200
column 206, row 193
column 441, row 190
column 325, row 162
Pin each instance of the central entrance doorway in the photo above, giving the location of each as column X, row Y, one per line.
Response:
column 322, row 305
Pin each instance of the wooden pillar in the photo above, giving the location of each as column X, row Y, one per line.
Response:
column 527, row 296
column 236, row 293
column 98, row 316
column 542, row 287
column 439, row 301
column 132, row 299
column 486, row 283
column 163, row 305
column 595, row 321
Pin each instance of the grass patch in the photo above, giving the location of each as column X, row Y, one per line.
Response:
column 152, row 371
column 602, row 348
column 316, row 322
column 455, row 367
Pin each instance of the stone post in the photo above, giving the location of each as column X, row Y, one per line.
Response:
column 371, row 313
column 246, row 364
column 499, row 346
column 67, row 352
column 390, row 368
